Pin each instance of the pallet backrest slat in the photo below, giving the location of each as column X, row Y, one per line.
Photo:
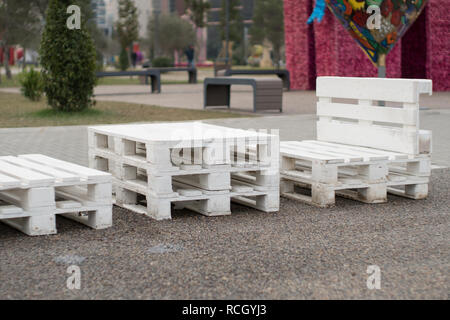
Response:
column 364, row 124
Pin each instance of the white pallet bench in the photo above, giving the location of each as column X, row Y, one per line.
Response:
column 362, row 150
column 186, row 162
column 34, row 188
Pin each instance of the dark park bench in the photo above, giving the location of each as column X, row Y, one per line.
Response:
column 281, row 73
column 154, row 75
column 267, row 92
column 192, row 72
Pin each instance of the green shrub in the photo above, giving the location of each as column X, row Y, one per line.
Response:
column 124, row 62
column 31, row 84
column 68, row 60
column 162, row 62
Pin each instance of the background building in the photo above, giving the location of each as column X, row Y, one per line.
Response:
column 99, row 11
column 145, row 8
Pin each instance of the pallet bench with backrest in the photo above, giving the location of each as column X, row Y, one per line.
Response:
column 267, row 92
column 35, row 188
column 154, row 75
column 281, row 73
column 362, row 150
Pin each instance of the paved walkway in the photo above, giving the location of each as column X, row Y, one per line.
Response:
column 190, row 96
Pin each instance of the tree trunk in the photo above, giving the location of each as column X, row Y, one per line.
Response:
column 24, row 64
column 130, row 56
column 277, row 55
column 6, row 61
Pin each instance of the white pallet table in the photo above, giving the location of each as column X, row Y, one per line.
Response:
column 186, row 162
column 35, row 188
column 160, row 144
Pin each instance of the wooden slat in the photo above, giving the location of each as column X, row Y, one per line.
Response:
column 85, row 173
column 369, row 113
column 396, row 90
column 351, row 154
column 379, row 137
column 379, row 154
column 7, row 182
column 326, row 151
column 28, row 177
column 291, row 150
column 61, row 176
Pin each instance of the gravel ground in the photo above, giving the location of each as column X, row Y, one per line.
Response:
column 300, row 253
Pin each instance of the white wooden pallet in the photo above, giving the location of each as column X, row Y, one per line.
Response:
column 209, row 203
column 339, row 167
column 216, row 177
column 34, row 188
column 177, row 146
column 328, row 169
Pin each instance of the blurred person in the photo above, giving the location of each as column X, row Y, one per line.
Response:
column 190, row 53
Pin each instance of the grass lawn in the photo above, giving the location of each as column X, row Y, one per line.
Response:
column 14, row 82
column 133, row 80
column 17, row 111
column 8, row 83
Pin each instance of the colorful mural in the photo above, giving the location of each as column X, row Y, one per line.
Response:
column 395, row 19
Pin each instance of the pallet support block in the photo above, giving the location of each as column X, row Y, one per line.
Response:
column 124, row 196
column 35, row 225
column 416, row 191
column 99, row 192
column 214, row 206
column 98, row 219
column 159, row 209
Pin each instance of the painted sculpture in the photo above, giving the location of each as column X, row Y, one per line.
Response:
column 396, row 16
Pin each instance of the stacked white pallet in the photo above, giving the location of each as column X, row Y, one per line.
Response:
column 34, row 188
column 195, row 165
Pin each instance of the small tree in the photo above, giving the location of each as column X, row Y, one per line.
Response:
column 18, row 24
column 31, row 84
column 197, row 11
column 68, row 60
column 174, row 33
column 127, row 25
column 236, row 27
column 123, row 60
column 268, row 24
